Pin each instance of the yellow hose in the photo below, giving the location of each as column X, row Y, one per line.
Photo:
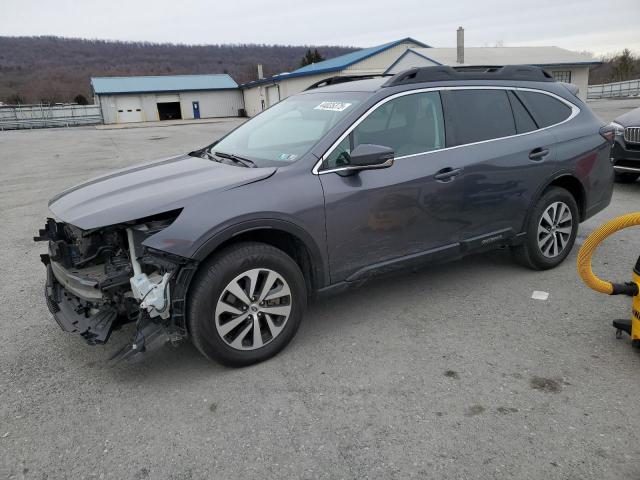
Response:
column 595, row 239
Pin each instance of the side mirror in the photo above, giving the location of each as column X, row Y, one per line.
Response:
column 367, row 156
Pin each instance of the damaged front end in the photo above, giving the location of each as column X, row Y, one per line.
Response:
column 101, row 279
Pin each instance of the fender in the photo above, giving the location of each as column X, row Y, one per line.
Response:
column 556, row 176
column 319, row 260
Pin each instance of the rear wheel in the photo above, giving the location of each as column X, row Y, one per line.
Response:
column 627, row 177
column 551, row 230
column 246, row 304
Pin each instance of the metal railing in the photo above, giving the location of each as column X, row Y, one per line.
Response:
column 14, row 117
column 630, row 88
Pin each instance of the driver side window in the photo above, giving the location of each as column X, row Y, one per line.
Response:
column 409, row 124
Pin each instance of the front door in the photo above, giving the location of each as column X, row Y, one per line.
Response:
column 381, row 219
column 196, row 109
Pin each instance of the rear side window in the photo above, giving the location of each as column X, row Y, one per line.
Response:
column 477, row 115
column 545, row 109
column 524, row 122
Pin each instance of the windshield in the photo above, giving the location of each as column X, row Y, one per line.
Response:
column 288, row 130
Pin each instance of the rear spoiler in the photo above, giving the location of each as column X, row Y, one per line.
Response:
column 571, row 87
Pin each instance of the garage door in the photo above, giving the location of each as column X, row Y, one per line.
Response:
column 273, row 95
column 129, row 110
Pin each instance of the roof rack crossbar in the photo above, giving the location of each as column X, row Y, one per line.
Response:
column 470, row 72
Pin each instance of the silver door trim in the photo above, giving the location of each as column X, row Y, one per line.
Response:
column 575, row 110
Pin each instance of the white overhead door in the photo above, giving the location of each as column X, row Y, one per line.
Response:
column 129, row 109
column 273, row 95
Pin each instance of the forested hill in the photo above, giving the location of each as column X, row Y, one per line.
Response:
column 54, row 69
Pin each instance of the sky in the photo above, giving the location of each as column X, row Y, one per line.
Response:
column 583, row 25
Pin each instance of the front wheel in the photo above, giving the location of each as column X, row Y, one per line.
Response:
column 551, row 231
column 246, row 304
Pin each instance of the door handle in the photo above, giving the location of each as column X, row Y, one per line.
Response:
column 538, row 153
column 447, row 174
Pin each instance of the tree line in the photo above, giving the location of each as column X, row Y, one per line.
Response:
column 55, row 69
column 616, row 67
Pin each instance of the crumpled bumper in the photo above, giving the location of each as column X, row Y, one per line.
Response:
column 73, row 315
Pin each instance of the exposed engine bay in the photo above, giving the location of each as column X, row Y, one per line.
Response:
column 101, row 279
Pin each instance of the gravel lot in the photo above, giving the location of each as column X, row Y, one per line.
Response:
column 450, row 373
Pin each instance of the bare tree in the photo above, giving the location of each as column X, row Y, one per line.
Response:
column 624, row 67
column 616, row 68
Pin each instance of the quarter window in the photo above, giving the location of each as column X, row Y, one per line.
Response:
column 409, row 124
column 524, row 121
column 476, row 115
column 545, row 109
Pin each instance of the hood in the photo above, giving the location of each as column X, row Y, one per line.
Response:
column 148, row 189
column 629, row 119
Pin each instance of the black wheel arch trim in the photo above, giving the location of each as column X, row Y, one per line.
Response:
column 556, row 176
column 319, row 262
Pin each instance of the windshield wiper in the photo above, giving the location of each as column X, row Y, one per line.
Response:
column 245, row 162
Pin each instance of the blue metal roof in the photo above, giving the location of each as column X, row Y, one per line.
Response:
column 166, row 83
column 335, row 64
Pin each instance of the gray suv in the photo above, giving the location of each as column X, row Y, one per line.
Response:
column 225, row 245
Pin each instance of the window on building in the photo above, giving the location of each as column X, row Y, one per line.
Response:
column 478, row 115
column 562, row 76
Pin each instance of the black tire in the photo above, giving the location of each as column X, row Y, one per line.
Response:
column 627, row 177
column 530, row 253
column 213, row 278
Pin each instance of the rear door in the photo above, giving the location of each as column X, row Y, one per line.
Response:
column 505, row 157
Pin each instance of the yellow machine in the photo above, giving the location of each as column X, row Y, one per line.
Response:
column 631, row 289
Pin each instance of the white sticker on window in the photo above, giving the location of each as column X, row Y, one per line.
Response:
column 333, row 106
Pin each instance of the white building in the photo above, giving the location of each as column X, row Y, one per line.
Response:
column 142, row 99
column 564, row 65
column 261, row 94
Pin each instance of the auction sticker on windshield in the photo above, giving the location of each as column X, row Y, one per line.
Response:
column 333, row 106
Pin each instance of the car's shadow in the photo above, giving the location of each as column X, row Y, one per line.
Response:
column 323, row 318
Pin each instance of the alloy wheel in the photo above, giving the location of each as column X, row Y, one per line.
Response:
column 555, row 229
column 253, row 309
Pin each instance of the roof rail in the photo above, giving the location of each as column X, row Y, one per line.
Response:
column 339, row 79
column 473, row 72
